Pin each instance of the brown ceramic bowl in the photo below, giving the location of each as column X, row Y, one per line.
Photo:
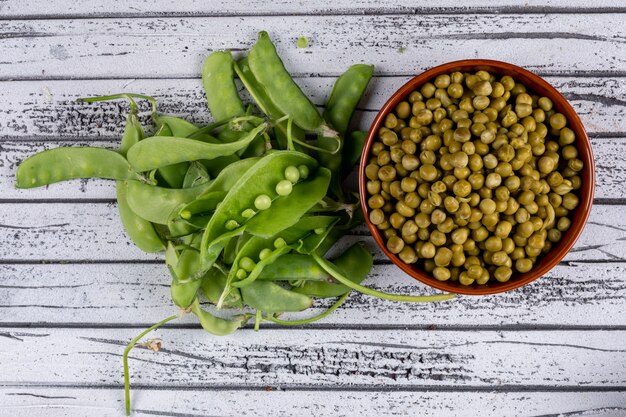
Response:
column 537, row 85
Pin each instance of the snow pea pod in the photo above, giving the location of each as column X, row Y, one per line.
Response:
column 196, row 174
column 216, row 325
column 219, row 85
column 62, row 164
column 184, row 294
column 344, row 98
column 213, row 284
column 156, row 204
column 352, row 149
column 256, row 184
column 281, row 89
column 140, row 231
column 294, row 266
column 272, row 298
column 159, row 151
column 174, row 174
column 356, row 262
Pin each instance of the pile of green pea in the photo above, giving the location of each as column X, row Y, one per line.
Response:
column 473, row 177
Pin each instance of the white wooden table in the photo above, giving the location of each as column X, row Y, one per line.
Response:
column 73, row 290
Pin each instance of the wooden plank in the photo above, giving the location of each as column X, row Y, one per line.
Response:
column 190, row 358
column 41, row 9
column 78, row 231
column 609, row 154
column 79, row 402
column 572, row 294
column 398, row 44
column 48, row 109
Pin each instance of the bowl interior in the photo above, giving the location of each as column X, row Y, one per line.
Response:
column 579, row 217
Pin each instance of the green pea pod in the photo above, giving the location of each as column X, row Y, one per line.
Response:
column 213, row 284
column 352, row 150
column 344, row 98
column 156, row 204
column 266, row 105
column 218, row 80
column 188, row 265
column 311, row 243
column 161, row 151
column 217, row 165
column 356, row 262
column 206, row 203
column 294, row 266
column 216, row 325
column 286, row 211
column 272, row 298
column 62, row 164
column 139, row 230
column 196, row 174
column 281, row 89
column 260, row 179
column 133, row 132
column 184, row 294
column 346, row 95
column 173, row 174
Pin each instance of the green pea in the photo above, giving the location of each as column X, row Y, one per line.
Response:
column 304, row 171
column 241, row 274
column 283, row 188
column 247, row 264
column 231, row 224
column 279, row 243
column 292, row 174
column 263, row 202
column 265, row 253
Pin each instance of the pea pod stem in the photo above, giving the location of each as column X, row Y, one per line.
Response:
column 328, row 267
column 320, row 316
column 128, row 96
column 127, row 351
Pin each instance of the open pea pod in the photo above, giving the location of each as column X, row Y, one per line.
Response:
column 273, row 298
column 284, row 213
column 259, row 180
column 355, row 263
column 62, row 164
column 159, row 151
column 196, row 174
column 156, row 204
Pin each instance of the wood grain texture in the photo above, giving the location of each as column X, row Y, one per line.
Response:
column 49, row 110
column 79, row 402
column 191, row 358
column 41, row 9
column 93, row 231
column 109, row 294
column 174, row 47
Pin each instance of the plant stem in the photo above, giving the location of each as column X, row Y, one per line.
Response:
column 125, row 357
column 328, row 267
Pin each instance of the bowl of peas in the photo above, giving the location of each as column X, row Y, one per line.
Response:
column 477, row 177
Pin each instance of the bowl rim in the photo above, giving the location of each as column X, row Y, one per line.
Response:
column 586, row 193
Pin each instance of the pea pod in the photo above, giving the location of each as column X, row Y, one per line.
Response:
column 267, row 106
column 139, row 230
column 344, row 98
column 196, row 174
column 356, row 262
column 213, row 284
column 184, row 294
column 352, row 149
column 219, row 85
column 156, row 204
column 159, row 151
column 270, row 297
column 294, row 266
column 173, row 126
column 62, row 164
column 270, row 72
column 260, row 179
column 216, row 325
